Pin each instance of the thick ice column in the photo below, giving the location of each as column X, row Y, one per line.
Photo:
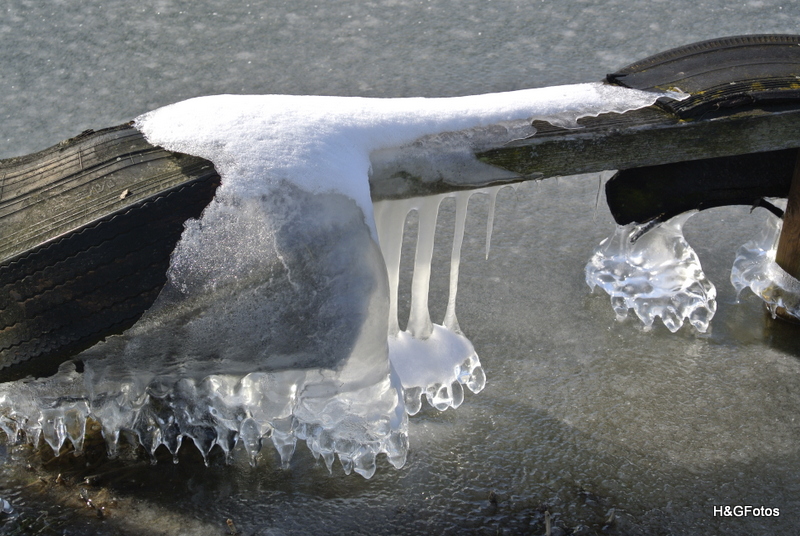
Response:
column 462, row 202
column 419, row 320
column 390, row 218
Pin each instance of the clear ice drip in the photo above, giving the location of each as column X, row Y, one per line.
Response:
column 755, row 268
column 450, row 320
column 657, row 274
column 433, row 361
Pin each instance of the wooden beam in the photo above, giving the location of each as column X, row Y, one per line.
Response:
column 787, row 255
column 646, row 137
column 92, row 176
column 50, row 193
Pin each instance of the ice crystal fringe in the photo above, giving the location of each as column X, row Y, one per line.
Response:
column 220, row 411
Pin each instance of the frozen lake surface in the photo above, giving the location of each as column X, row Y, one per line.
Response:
column 598, row 422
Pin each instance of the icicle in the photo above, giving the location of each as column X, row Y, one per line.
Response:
column 602, row 178
column 250, row 436
column 227, row 441
column 171, row 438
column 204, row 439
column 364, row 462
column 328, row 458
column 53, row 429
column 390, row 218
column 8, row 427
column 492, row 192
column 462, row 201
column 419, row 320
column 284, row 440
column 75, row 425
column 397, row 450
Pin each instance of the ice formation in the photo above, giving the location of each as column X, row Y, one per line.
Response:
column 273, row 323
column 655, row 272
column 754, row 267
column 432, row 361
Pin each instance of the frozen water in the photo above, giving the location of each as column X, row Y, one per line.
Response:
column 432, row 361
column 273, row 321
column 221, row 410
column 578, row 412
column 755, row 268
column 656, row 273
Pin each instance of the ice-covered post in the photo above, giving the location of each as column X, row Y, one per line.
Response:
column 787, row 255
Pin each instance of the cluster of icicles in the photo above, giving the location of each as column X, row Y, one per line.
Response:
column 221, row 411
column 653, row 271
column 417, row 355
column 428, row 362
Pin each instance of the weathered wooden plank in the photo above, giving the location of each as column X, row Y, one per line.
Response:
column 86, row 232
column 646, row 138
column 47, row 194
column 787, row 255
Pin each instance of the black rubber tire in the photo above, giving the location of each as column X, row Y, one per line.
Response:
column 721, row 74
column 72, row 290
column 658, row 193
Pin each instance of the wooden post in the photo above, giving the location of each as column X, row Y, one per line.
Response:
column 787, row 255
